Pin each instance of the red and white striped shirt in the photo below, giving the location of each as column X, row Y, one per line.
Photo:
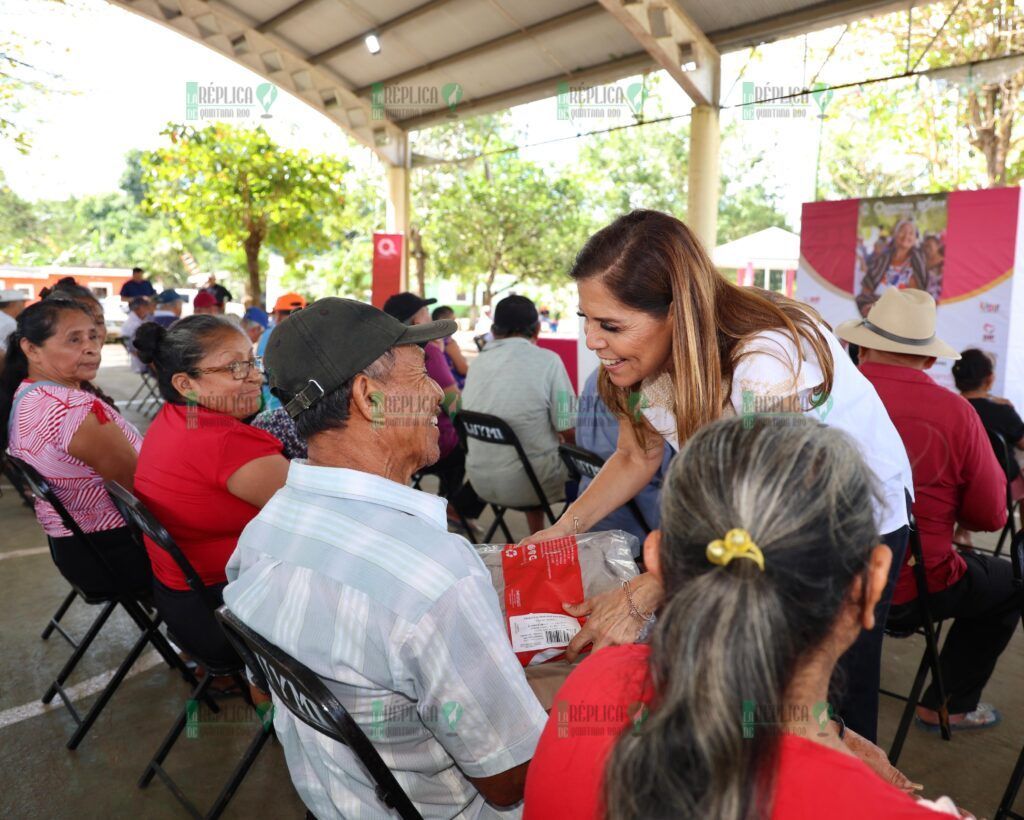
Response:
column 45, row 419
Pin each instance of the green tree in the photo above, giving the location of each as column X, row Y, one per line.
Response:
column 641, row 167
column 19, row 227
column 500, row 214
column 647, row 167
column 345, row 268
column 239, row 186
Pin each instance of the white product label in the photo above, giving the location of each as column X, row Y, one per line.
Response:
column 541, row 630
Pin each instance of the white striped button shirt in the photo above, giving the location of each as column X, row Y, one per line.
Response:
column 358, row 578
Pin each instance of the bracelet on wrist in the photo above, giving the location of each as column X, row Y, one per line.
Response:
column 634, row 610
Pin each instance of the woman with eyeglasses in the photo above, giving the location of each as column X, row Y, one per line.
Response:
column 203, row 472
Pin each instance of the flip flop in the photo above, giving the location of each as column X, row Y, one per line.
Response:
column 984, row 717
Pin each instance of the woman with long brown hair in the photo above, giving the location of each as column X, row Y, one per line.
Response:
column 680, row 347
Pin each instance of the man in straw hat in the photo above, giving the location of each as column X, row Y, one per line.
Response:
column 957, row 480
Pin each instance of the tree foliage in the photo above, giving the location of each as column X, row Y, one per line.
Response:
column 502, row 215
column 238, row 186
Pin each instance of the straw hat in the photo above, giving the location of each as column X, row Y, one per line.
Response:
column 901, row 321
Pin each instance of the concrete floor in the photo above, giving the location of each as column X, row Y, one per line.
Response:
column 40, row 778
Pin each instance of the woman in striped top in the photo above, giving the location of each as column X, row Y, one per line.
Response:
column 52, row 418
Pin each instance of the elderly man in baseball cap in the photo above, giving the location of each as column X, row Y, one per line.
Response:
column 355, row 574
column 957, row 480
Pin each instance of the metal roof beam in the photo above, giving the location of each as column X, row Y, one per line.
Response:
column 216, row 26
column 284, row 16
column 379, row 30
column 804, row 20
column 625, row 66
column 665, row 31
column 525, row 33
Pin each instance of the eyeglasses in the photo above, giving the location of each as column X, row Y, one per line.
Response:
column 239, row 370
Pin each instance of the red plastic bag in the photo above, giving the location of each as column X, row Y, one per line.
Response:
column 534, row 580
column 538, row 579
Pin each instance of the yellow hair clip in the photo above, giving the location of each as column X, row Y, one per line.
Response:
column 736, row 544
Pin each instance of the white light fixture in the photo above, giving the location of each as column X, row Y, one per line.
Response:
column 372, row 43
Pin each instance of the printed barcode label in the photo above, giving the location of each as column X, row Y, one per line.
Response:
column 541, row 630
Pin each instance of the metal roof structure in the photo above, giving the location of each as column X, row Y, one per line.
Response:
column 499, row 53
column 441, row 59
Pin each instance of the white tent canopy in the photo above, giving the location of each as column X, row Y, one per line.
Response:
column 770, row 249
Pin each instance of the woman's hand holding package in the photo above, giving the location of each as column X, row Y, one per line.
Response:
column 609, row 619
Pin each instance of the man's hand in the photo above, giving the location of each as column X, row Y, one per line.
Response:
column 877, row 761
column 609, row 621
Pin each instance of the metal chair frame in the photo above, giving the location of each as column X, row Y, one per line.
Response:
column 581, row 463
column 494, row 430
column 308, row 699
column 149, row 627
column 1013, row 786
column 146, row 384
column 931, row 629
column 144, row 522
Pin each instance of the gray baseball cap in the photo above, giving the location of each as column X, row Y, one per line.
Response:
column 315, row 351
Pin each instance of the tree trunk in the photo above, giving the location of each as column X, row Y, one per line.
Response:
column 254, row 290
column 489, row 287
column 990, row 112
column 420, row 256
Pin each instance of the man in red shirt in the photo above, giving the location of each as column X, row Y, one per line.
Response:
column 957, row 480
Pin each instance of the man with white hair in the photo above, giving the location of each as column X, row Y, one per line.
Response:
column 354, row 573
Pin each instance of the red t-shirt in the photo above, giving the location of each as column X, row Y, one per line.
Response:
column 956, row 475
column 187, row 457
column 605, row 694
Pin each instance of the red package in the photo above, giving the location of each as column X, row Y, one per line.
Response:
column 538, row 579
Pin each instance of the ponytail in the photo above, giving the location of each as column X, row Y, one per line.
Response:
column 36, row 323
column 729, row 638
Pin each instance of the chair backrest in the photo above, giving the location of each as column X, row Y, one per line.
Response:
column 17, row 481
column 580, row 463
column 301, row 692
column 1001, row 449
column 920, row 576
column 494, row 430
column 41, row 489
column 583, row 463
column 1017, row 557
column 140, row 519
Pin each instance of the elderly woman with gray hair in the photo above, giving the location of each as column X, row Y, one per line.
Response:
column 770, row 558
column 901, row 264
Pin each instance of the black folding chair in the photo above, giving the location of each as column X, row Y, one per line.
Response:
column 12, row 475
column 147, row 386
column 148, row 626
column 583, row 463
column 1005, row 457
column 1005, row 809
column 302, row 693
column 493, row 430
column 21, row 488
column 931, row 629
column 143, row 521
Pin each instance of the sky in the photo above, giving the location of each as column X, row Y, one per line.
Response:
column 120, row 78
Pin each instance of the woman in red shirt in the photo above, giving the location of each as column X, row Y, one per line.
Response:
column 770, row 558
column 203, row 472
